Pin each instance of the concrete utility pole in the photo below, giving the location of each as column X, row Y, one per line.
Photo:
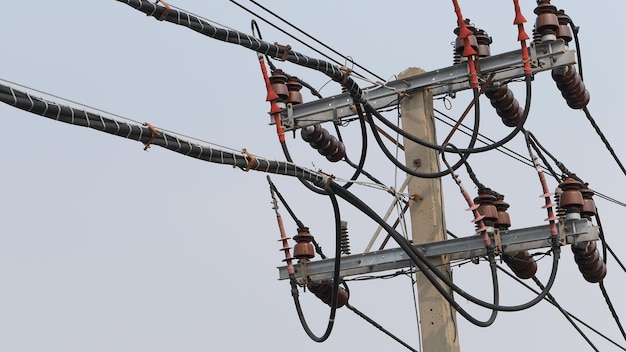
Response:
column 437, row 319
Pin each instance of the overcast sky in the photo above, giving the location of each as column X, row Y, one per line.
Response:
column 106, row 247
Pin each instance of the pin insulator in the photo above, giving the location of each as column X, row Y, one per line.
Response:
column 507, row 107
column 278, row 80
column 324, row 291
column 589, row 206
column 294, row 86
column 571, row 86
column 522, row 264
column 504, row 219
column 564, row 32
column 571, row 200
column 590, row 262
column 484, row 42
column 486, row 207
column 547, row 23
column 303, row 250
column 326, row 144
column 465, row 34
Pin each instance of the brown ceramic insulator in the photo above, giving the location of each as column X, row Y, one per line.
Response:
column 324, row 291
column 507, row 107
column 311, row 133
column 338, row 154
column 571, row 199
column 323, row 141
column 330, row 147
column 484, row 41
column 590, row 262
column 326, row 144
column 504, row 219
column 589, row 206
column 304, row 248
column 547, row 22
column 522, row 264
column 278, row 80
column 294, row 86
column 460, row 42
column 486, row 207
column 571, row 86
column 564, row 32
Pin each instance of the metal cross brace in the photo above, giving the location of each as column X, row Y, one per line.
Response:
column 506, row 66
column 570, row 232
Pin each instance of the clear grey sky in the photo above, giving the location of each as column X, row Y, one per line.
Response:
column 105, row 247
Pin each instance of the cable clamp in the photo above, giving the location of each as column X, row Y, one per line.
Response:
column 251, row 162
column 415, row 197
column 285, row 52
column 329, row 178
column 165, row 12
column 403, row 94
column 155, row 133
column 346, row 74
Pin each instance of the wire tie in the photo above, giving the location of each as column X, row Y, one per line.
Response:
column 329, row 178
column 347, row 71
column 285, row 52
column 155, row 133
column 252, row 160
column 165, row 12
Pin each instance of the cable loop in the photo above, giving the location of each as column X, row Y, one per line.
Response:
column 155, row 133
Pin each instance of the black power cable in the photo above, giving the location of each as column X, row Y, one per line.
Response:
column 148, row 135
column 432, row 272
column 421, row 262
column 605, row 294
column 335, row 284
column 516, row 130
column 401, row 165
column 306, row 34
